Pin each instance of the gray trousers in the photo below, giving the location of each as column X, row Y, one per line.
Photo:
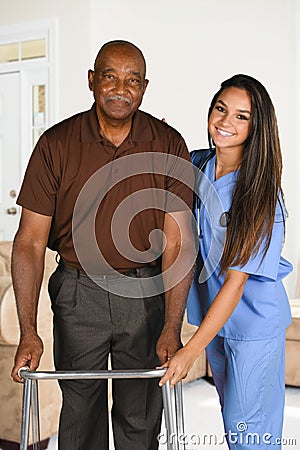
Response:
column 89, row 324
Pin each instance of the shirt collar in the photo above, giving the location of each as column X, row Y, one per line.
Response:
column 140, row 130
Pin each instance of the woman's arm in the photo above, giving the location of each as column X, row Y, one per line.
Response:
column 218, row 313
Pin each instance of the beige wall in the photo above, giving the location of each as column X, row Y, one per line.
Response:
column 190, row 48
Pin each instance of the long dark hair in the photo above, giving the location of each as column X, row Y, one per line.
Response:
column 258, row 184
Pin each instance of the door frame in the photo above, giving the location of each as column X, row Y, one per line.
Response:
column 9, row 153
column 47, row 29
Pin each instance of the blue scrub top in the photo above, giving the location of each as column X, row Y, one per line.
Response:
column 263, row 311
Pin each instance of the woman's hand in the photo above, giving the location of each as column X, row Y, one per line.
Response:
column 178, row 366
column 218, row 313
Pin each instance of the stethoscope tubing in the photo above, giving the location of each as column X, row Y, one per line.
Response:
column 225, row 216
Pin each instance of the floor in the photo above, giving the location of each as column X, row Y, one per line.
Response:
column 203, row 425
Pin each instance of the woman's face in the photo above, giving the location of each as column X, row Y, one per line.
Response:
column 229, row 122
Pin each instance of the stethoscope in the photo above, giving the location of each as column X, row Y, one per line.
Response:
column 225, row 216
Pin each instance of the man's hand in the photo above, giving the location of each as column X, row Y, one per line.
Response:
column 168, row 344
column 28, row 354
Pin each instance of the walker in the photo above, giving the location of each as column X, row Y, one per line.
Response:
column 174, row 421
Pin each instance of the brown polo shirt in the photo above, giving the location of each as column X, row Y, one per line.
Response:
column 107, row 203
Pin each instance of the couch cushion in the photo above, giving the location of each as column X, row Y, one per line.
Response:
column 297, row 292
column 9, row 324
column 293, row 331
column 295, row 307
column 5, row 257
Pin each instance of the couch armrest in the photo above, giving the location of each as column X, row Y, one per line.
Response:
column 9, row 324
column 5, row 282
column 293, row 331
column 198, row 369
column 295, row 307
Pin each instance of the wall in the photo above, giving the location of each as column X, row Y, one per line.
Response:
column 294, row 154
column 190, row 47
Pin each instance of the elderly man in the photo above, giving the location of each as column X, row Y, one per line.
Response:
column 108, row 189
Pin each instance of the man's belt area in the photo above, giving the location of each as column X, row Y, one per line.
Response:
column 135, row 272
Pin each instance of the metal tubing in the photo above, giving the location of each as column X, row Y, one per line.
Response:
column 25, row 414
column 86, row 375
column 169, row 417
column 179, row 416
column 30, row 400
column 35, row 417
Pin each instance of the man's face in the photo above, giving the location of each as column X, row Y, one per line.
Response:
column 118, row 82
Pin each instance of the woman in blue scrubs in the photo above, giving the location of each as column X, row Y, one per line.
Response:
column 237, row 298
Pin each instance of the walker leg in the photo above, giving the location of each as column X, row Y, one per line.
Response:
column 169, row 417
column 179, row 416
column 27, row 389
column 36, row 438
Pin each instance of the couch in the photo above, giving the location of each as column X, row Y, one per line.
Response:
column 292, row 367
column 49, row 394
column 10, row 392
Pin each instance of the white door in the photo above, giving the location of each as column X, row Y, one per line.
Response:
column 10, row 155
